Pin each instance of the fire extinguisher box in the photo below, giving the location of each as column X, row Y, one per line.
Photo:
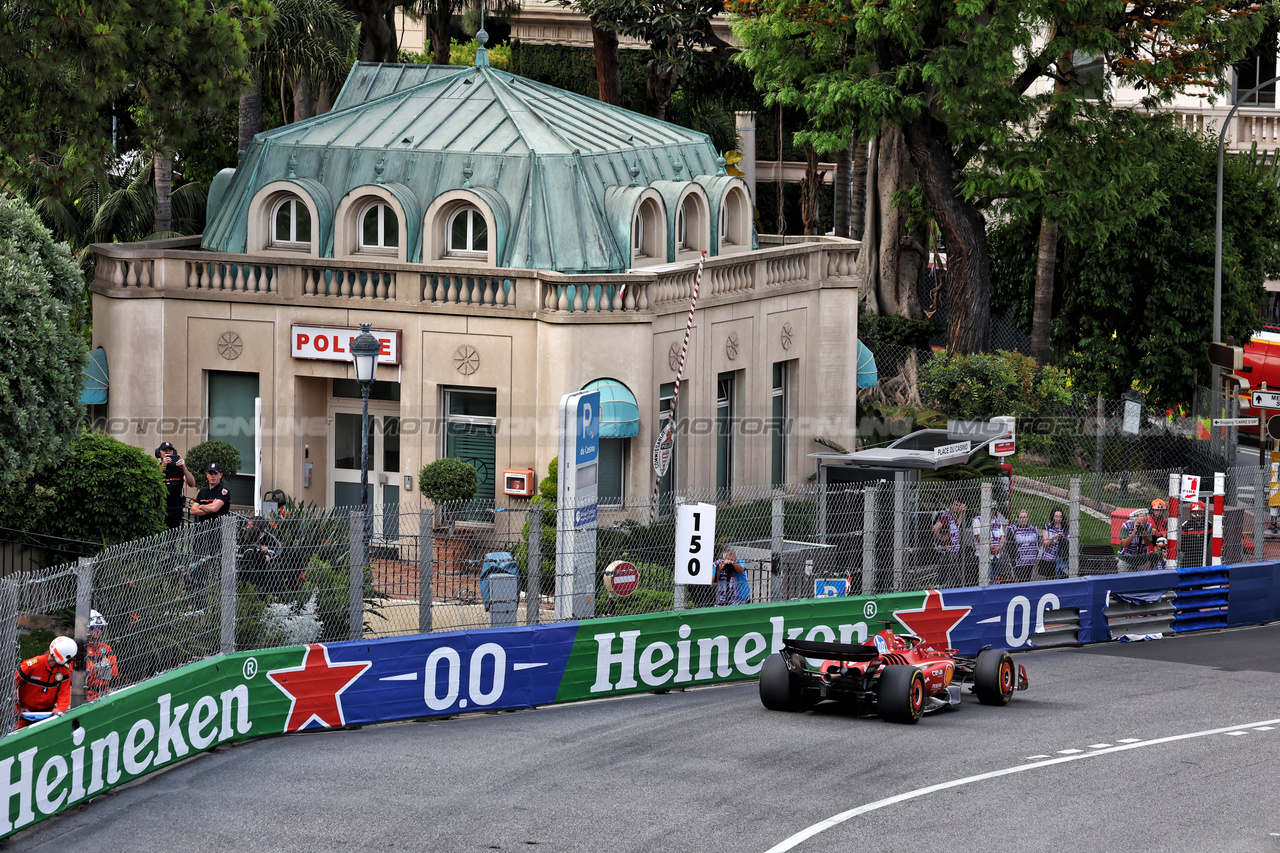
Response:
column 519, row 482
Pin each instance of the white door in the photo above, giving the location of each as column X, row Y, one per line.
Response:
column 384, row 464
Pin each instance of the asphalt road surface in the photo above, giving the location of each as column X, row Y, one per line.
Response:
column 1157, row 746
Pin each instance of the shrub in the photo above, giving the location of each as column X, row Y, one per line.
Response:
column 108, row 492
column 982, row 386
column 212, row 450
column 448, row 480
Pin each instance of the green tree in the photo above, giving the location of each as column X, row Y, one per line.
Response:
column 63, row 64
column 966, row 81
column 108, row 492
column 1136, row 308
column 41, row 351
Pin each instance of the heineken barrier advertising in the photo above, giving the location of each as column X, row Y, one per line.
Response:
column 56, row 764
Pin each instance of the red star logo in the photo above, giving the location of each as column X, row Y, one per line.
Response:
column 933, row 622
column 313, row 688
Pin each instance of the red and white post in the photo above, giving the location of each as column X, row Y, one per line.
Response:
column 1171, row 552
column 1219, row 497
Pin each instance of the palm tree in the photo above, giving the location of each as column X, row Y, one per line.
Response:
column 309, row 50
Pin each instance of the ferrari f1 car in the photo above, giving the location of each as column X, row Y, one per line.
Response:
column 895, row 676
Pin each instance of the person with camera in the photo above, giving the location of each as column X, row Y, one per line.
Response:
column 257, row 549
column 732, row 586
column 1137, row 543
column 176, row 476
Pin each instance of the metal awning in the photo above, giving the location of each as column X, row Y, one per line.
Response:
column 96, row 379
column 867, row 375
column 619, row 414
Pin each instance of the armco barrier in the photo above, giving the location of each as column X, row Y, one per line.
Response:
column 54, row 765
column 1203, row 598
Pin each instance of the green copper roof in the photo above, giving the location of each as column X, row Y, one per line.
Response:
column 420, row 131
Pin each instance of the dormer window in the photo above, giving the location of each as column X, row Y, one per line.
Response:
column 648, row 236
column 379, row 229
column 735, row 221
column 682, row 231
column 637, row 237
column 291, row 225
column 468, row 234
column 693, row 228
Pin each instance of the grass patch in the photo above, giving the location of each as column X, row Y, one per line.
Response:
column 34, row 643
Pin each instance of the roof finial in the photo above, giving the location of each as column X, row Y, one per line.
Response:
column 720, row 166
column 466, row 174
column 482, row 55
column 378, row 169
column 635, row 173
column 293, row 164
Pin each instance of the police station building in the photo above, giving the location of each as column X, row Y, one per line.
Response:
column 509, row 243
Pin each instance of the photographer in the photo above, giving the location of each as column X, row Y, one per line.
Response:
column 176, row 476
column 732, row 586
column 257, row 549
column 1137, row 542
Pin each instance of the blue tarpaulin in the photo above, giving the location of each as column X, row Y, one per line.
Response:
column 96, row 380
column 867, row 376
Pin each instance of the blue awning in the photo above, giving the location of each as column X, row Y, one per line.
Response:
column 867, row 376
column 619, row 414
column 96, row 378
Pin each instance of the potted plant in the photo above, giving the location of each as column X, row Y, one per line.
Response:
column 448, row 482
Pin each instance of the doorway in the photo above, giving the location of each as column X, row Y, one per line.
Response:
column 384, row 463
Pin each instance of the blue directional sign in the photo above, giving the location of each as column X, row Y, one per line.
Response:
column 830, row 587
column 587, row 443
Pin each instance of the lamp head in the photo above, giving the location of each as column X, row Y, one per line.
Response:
column 364, row 353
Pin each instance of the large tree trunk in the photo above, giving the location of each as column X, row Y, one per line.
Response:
column 163, row 174
column 304, row 101
column 440, row 23
column 868, row 266
column 324, row 100
column 811, row 192
column 964, row 230
column 378, row 42
column 858, row 198
column 250, row 113
column 844, row 178
column 1042, row 307
column 608, row 76
column 660, row 85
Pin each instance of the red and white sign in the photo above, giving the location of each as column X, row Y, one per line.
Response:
column 1003, row 447
column 1190, row 490
column 333, row 343
column 622, row 577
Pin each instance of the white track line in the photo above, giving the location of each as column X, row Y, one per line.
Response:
column 836, row 820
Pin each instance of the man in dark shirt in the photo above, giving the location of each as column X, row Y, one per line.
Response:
column 212, row 502
column 176, row 476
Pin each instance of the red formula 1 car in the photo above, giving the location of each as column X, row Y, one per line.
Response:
column 895, row 676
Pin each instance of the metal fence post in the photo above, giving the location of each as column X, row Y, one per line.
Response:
column 426, row 588
column 869, row 539
column 824, row 493
column 899, row 527
column 679, row 590
column 777, row 535
column 355, row 575
column 1260, row 488
column 984, row 537
column 1073, row 540
column 8, row 648
column 1097, row 465
column 533, row 568
column 84, row 597
column 227, row 577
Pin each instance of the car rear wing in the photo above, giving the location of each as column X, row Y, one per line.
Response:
column 832, row 651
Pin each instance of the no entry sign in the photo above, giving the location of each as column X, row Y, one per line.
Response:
column 621, row 577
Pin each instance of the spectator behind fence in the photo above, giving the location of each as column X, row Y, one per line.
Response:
column 212, row 502
column 101, row 660
column 1054, row 558
column 732, row 586
column 176, row 476
column 1136, row 543
column 947, row 531
column 1026, row 544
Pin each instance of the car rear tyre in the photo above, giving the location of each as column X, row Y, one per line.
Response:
column 993, row 677
column 776, row 692
column 900, row 694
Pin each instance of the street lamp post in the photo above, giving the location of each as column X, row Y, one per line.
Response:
column 364, row 352
column 1217, row 242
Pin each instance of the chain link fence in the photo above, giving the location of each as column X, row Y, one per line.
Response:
column 321, row 575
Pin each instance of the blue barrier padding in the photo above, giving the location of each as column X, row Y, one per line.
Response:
column 1256, row 598
column 1200, row 621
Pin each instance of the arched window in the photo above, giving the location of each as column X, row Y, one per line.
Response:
column 735, row 221
column 291, row 224
column 379, row 229
column 682, row 230
column 637, row 237
column 468, row 234
column 693, row 230
column 647, row 234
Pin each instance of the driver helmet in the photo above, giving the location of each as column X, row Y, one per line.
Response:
column 62, row 650
column 97, row 624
